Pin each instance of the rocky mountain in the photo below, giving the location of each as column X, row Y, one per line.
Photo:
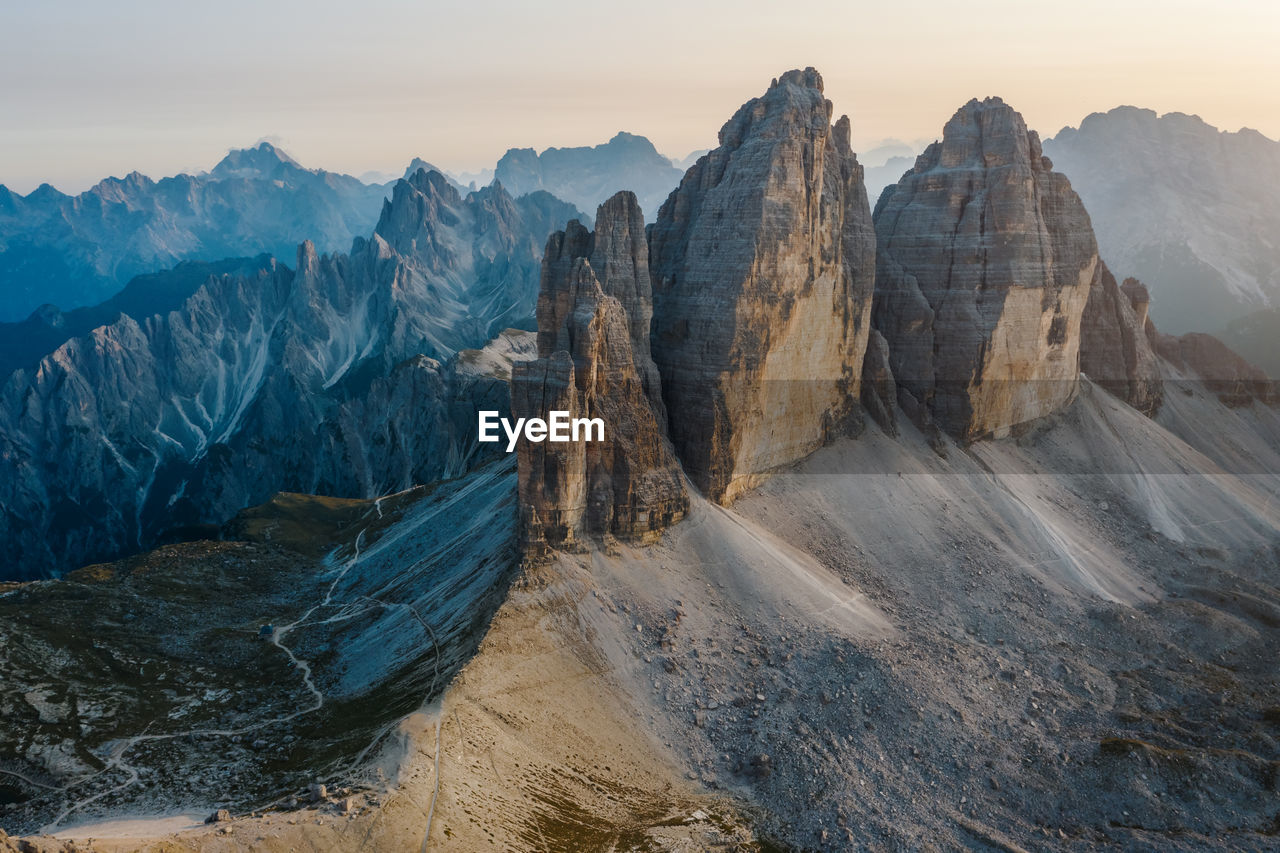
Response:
column 986, row 260
column 1115, row 346
column 901, row 638
column 1204, row 360
column 344, row 376
column 588, row 175
column 593, row 361
column 73, row 251
column 417, row 164
column 763, row 264
column 1189, row 209
column 24, row 343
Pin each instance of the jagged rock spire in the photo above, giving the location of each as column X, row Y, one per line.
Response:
column 594, row 363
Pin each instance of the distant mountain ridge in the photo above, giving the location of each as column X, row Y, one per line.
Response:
column 586, row 176
column 76, row 250
column 1192, row 210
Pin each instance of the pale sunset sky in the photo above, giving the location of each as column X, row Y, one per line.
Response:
column 91, row 89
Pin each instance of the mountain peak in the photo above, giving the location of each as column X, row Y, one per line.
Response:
column 417, row 165
column 261, row 160
column 989, row 133
column 428, row 179
column 114, row 187
column 727, row 243
column 46, row 192
column 809, row 78
column 623, row 139
column 417, row 205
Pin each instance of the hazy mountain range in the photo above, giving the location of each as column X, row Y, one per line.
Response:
column 334, row 377
column 1183, row 205
column 586, row 176
column 72, row 251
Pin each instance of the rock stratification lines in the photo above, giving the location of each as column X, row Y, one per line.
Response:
column 763, row 264
column 985, row 261
column 593, row 348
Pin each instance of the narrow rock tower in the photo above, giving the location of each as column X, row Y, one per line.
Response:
column 593, row 361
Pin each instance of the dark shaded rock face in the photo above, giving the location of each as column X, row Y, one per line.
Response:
column 763, row 265
column 594, row 362
column 1114, row 350
column 879, row 391
column 342, row 377
column 1206, row 359
column 986, row 260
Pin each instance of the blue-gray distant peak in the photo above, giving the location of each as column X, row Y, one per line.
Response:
column 262, row 160
column 1182, row 205
column 588, row 175
column 79, row 250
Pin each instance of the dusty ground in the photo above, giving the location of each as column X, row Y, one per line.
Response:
column 1062, row 641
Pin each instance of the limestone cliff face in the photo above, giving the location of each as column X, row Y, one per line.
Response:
column 879, row 390
column 986, row 261
column 593, row 349
column 1114, row 350
column 763, row 266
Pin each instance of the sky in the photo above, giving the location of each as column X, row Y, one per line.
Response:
column 91, row 89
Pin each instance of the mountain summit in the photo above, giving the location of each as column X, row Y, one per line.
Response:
column 986, row 260
column 1187, row 208
column 74, row 251
column 763, row 261
column 587, row 176
column 261, row 161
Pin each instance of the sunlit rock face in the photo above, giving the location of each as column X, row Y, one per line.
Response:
column 593, row 347
column 763, row 266
column 986, row 261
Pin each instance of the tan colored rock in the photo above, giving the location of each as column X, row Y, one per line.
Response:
column 986, row 261
column 763, row 266
column 628, row 485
